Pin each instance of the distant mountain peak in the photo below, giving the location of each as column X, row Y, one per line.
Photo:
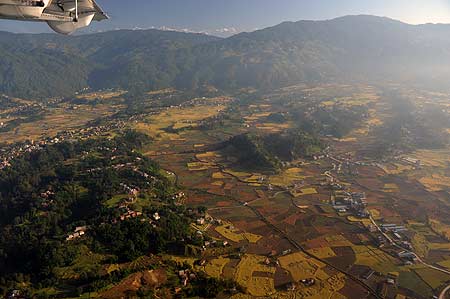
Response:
column 360, row 47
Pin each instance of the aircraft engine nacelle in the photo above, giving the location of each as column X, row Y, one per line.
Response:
column 70, row 27
column 29, row 10
column 68, row 6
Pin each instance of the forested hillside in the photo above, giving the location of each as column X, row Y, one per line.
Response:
column 350, row 48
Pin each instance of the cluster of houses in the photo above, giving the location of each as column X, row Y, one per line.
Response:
column 408, row 256
column 132, row 191
column 179, row 198
column 47, row 198
column 143, row 174
column 214, row 244
column 47, row 194
column 130, row 214
column 352, row 202
column 293, row 286
column 412, row 161
column 11, row 152
column 15, row 294
column 402, row 238
column 208, row 220
column 399, row 232
column 387, row 288
column 78, row 233
column 185, row 276
column 14, row 108
column 133, row 167
column 125, row 203
column 395, row 229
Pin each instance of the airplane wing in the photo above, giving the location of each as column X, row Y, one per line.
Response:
column 66, row 16
column 63, row 16
column 85, row 7
column 100, row 14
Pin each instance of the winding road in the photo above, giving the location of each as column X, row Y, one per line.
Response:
column 298, row 246
column 393, row 243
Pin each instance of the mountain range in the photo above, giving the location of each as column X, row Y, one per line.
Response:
column 352, row 48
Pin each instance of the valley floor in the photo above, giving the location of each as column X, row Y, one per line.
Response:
column 341, row 224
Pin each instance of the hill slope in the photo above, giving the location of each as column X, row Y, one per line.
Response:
column 347, row 48
column 355, row 47
column 52, row 65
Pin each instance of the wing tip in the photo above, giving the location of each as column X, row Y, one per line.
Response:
column 100, row 15
column 103, row 16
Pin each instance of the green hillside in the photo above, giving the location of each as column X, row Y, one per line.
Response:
column 346, row 49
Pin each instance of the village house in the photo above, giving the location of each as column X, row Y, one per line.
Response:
column 130, row 214
column 79, row 232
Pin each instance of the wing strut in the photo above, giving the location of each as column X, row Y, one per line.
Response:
column 76, row 11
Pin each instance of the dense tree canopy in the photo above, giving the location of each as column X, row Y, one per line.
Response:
column 45, row 194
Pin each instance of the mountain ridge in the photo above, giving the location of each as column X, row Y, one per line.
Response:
column 361, row 47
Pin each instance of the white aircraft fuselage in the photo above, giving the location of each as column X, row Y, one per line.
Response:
column 63, row 16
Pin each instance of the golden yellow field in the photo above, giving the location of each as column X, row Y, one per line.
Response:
column 396, row 168
column 228, row 231
column 287, row 177
column 254, row 178
column 376, row 215
column 445, row 264
column 327, row 103
column 256, row 286
column 208, row 156
column 239, row 174
column 390, row 188
column 338, row 241
column 364, row 221
column 219, row 176
column 178, row 118
column 440, row 228
column 322, row 252
column 347, row 139
column 56, row 120
column 218, row 183
column 215, row 267
column 199, row 166
column 327, row 289
column 162, row 91
column 308, row 191
column 256, row 116
column 435, row 182
column 374, row 258
column 106, row 95
column 421, row 245
column 433, row 158
column 273, row 127
column 374, row 122
column 302, row 267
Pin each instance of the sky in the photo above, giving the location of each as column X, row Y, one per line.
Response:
column 227, row 17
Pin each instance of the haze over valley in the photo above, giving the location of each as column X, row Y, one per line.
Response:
column 310, row 159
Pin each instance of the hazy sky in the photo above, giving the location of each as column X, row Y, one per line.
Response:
column 215, row 16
